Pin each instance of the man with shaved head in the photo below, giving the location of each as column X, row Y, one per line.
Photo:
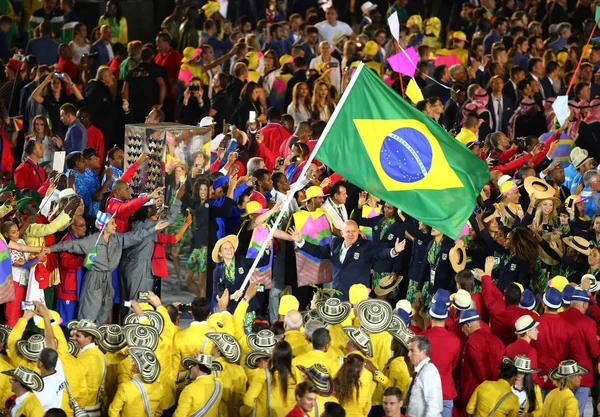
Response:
column 350, row 255
column 292, row 322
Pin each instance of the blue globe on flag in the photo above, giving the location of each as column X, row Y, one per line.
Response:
column 406, row 155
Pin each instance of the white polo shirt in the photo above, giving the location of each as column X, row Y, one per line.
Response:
column 54, row 385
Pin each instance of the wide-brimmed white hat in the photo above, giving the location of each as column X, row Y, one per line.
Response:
column 524, row 324
column 113, row 338
column 333, row 310
column 361, row 338
column 522, row 363
column 27, row 377
column 228, row 345
column 85, row 326
column 567, row 368
column 146, row 362
column 201, row 359
column 374, row 315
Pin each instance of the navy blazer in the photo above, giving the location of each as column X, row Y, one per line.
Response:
column 356, row 268
column 508, row 109
column 444, row 273
column 102, row 59
column 387, row 241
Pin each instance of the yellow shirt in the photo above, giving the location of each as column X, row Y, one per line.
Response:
column 196, row 395
column 128, row 400
column 30, row 407
column 113, row 359
column 309, row 359
column 256, row 396
column 5, row 392
column 395, row 374
column 233, row 379
column 91, row 362
column 338, row 337
column 71, row 366
column 381, row 343
column 487, row 395
column 298, row 342
column 164, row 355
column 361, row 407
column 14, row 356
column 561, row 403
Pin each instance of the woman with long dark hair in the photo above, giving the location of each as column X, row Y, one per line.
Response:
column 249, row 101
column 349, row 390
column 529, row 393
column 113, row 17
column 282, row 383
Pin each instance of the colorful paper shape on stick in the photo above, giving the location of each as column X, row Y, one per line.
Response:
column 413, row 92
column 447, row 60
column 394, row 25
column 405, row 62
column 561, row 108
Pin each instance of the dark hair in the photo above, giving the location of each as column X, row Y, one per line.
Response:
column 306, row 387
column 579, row 87
column 515, row 70
column 281, row 362
column 48, row 357
column 112, row 151
column 248, row 89
column 336, row 188
column 393, row 391
column 118, row 11
column 55, row 412
column 512, row 295
column 277, row 176
column 29, row 147
column 273, row 113
column 499, row 21
column 200, row 309
column 299, row 62
column 529, row 386
column 507, row 370
column 439, row 71
column 303, row 146
column 72, row 159
column 165, row 36
column 532, row 63
column 69, row 108
column 348, row 378
column 147, row 54
column 333, row 410
column 551, row 66
column 466, row 280
column 320, row 338
column 173, row 312
column 311, row 29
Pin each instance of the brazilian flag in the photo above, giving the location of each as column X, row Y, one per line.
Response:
column 91, row 258
column 378, row 141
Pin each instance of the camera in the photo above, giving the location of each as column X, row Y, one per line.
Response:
column 27, row 306
column 548, row 227
column 58, row 75
column 143, row 296
column 194, row 88
column 184, row 308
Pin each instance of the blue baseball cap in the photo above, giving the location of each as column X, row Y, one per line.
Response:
column 438, row 310
column 468, row 316
column 552, row 298
column 219, row 182
column 528, row 300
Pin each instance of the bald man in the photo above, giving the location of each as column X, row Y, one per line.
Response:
column 292, row 322
column 122, row 206
column 351, row 256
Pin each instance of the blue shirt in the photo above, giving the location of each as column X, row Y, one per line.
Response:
column 117, row 174
column 76, row 137
column 558, row 45
column 86, row 185
column 44, row 49
column 570, row 174
column 489, row 40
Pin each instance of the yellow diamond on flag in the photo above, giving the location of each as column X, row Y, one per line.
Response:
column 406, row 155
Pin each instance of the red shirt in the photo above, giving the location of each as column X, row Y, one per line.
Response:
column 159, row 257
column 29, row 174
column 523, row 347
column 256, row 196
column 96, row 140
column 583, row 344
column 114, row 66
column 171, row 60
column 296, row 412
column 68, row 264
column 68, row 67
column 445, row 353
column 552, row 344
column 502, row 317
column 481, row 357
column 274, row 136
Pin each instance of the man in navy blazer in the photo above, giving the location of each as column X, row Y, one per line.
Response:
column 499, row 99
column 103, row 48
column 352, row 257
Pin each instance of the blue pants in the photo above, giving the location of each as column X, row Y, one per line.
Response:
column 447, row 410
column 116, row 286
column 582, row 394
column 67, row 310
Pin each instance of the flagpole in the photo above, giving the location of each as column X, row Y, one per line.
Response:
column 296, row 186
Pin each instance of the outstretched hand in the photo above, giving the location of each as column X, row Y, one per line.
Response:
column 400, row 245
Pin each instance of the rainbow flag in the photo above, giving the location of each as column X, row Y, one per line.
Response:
column 18, row 123
column 7, row 292
column 369, row 212
column 261, row 275
column 316, row 229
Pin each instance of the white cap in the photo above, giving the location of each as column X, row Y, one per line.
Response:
column 406, row 306
column 367, row 6
column 206, row 121
column 503, row 179
column 67, row 192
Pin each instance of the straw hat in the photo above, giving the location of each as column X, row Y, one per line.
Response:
column 578, row 243
column 27, row 377
column 146, row 362
column 538, row 188
column 319, row 375
column 4, row 332
column 361, row 338
column 233, row 239
column 387, row 284
column 228, row 345
column 141, row 335
column 181, row 165
column 579, row 157
column 374, row 315
column 556, row 201
column 31, row 347
column 333, row 310
column 72, row 348
column 113, row 338
column 255, row 355
column 367, row 6
column 311, row 315
column 201, row 359
column 462, row 300
column 594, row 284
column 565, row 369
column 265, row 339
column 399, row 331
column 406, row 306
column 458, row 257
column 313, row 192
column 85, row 326
column 522, row 363
column 547, row 259
column 156, row 320
column 524, row 324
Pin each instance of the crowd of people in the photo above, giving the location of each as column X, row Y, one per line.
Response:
column 354, row 307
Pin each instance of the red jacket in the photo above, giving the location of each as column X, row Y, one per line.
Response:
column 552, row 344
column 502, row 317
column 445, row 353
column 68, row 264
column 274, row 136
column 159, row 257
column 523, row 347
column 30, row 175
column 296, row 412
column 96, row 140
column 481, row 357
column 125, row 209
column 583, row 344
